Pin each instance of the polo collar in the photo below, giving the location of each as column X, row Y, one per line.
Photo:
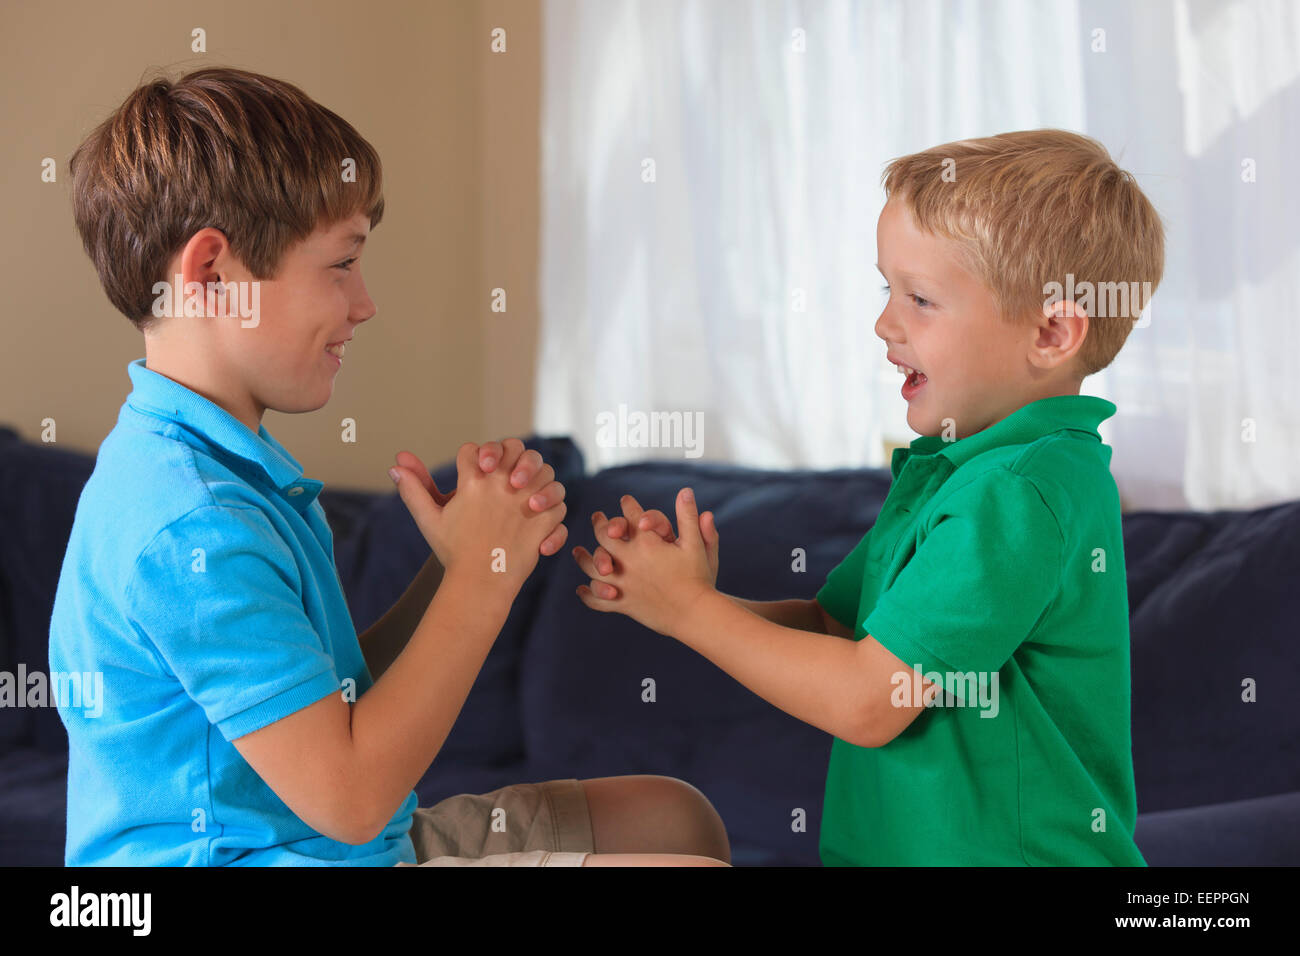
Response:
column 1078, row 413
column 156, row 394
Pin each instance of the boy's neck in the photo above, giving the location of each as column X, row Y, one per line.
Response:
column 201, row 378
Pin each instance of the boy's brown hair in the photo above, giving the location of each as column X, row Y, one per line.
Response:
column 1036, row 207
column 247, row 154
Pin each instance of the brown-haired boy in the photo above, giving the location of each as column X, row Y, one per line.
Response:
column 244, row 721
column 971, row 655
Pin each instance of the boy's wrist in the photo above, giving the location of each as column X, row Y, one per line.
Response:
column 489, row 589
column 694, row 612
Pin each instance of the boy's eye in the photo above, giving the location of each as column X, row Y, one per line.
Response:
column 345, row 263
column 920, row 301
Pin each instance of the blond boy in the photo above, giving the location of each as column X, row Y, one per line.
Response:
column 971, row 655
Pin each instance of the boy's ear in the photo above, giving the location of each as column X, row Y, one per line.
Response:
column 1061, row 332
column 203, row 256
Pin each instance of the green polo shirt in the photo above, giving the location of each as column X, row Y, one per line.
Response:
column 996, row 569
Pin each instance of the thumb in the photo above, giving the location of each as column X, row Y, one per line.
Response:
column 709, row 531
column 426, row 512
column 411, row 462
column 688, row 519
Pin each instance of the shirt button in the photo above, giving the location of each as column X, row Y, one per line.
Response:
column 295, row 490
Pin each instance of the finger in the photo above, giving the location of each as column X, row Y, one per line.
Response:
column 600, row 524
column 603, row 589
column 555, row 540
column 603, row 560
column 412, row 463
column 618, row 527
column 656, row 521
column 512, row 448
column 488, row 456
column 586, row 561
column 528, row 465
column 595, row 566
column 548, row 497
column 467, row 463
column 632, row 510
column 424, row 510
column 688, row 519
column 586, row 596
column 709, row 529
column 544, row 476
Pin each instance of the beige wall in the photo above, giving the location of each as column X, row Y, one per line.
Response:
column 457, row 128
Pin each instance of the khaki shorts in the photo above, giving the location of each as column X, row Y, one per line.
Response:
column 527, row 824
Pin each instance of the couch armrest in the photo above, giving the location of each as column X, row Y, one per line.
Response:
column 1264, row 831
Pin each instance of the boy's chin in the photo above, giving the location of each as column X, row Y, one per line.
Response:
column 921, row 424
column 304, row 403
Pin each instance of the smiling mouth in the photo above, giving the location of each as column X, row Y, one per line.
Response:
column 337, row 350
column 915, row 378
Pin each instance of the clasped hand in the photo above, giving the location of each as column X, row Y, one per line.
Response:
column 644, row 570
column 505, row 498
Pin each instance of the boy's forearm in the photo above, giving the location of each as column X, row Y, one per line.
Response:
column 812, row 676
column 400, row 724
column 796, row 613
column 384, row 640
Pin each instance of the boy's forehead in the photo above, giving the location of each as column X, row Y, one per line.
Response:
column 916, row 253
column 896, row 218
column 346, row 232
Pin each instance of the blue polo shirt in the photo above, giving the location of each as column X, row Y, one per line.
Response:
column 199, row 579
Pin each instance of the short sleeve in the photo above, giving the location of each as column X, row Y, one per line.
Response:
column 842, row 591
column 988, row 568
column 218, row 596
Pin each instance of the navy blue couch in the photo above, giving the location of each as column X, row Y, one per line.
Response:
column 1215, row 601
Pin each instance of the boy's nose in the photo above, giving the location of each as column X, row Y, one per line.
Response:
column 363, row 307
column 884, row 325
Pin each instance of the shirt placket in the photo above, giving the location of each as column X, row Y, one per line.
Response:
column 917, row 481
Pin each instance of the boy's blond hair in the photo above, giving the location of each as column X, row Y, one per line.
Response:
column 253, row 156
column 1037, row 207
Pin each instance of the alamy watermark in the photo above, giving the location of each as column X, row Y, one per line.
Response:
column 60, row 689
column 215, row 300
column 130, row 910
column 637, row 429
column 949, row 689
column 1104, row 300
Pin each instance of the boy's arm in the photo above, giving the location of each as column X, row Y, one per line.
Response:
column 796, row 613
column 384, row 640
column 344, row 769
column 842, row 687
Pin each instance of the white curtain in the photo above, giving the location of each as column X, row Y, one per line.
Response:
column 710, row 188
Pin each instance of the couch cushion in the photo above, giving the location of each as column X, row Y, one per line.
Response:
column 39, row 488
column 1213, row 602
column 33, row 807
column 1264, row 831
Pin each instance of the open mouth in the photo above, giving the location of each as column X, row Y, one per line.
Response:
column 915, row 380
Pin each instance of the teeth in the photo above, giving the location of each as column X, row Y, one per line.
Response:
column 337, row 350
column 906, row 371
